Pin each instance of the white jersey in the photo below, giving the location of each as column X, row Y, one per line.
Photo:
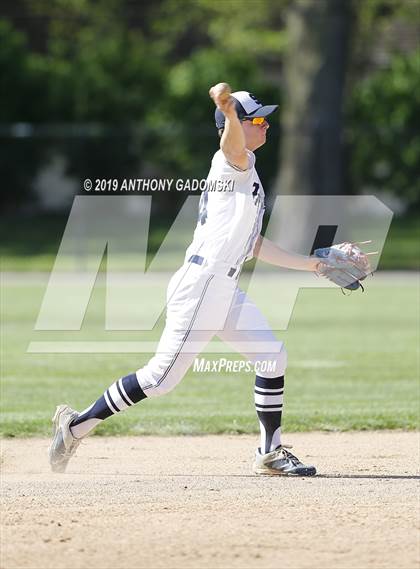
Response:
column 230, row 215
column 203, row 297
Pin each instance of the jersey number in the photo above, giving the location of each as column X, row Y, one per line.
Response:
column 256, row 187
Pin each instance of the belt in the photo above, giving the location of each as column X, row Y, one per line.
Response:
column 198, row 260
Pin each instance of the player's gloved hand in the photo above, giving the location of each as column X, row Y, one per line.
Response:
column 344, row 264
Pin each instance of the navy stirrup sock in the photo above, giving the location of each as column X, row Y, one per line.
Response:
column 269, row 406
column 121, row 395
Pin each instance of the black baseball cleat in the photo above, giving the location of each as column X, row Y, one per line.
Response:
column 281, row 462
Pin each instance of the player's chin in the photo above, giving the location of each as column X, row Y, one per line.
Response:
column 259, row 144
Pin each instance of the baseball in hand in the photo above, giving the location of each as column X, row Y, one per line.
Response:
column 220, row 94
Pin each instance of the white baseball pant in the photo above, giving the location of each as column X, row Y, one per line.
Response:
column 202, row 301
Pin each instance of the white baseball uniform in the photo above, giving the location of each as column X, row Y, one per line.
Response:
column 203, row 298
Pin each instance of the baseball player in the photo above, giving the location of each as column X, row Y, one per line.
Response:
column 203, row 298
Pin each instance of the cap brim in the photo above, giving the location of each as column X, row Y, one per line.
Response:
column 262, row 111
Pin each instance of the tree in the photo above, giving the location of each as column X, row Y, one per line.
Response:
column 384, row 111
column 313, row 74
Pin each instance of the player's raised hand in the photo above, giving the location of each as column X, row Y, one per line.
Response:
column 221, row 95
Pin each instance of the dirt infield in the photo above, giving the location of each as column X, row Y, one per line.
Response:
column 193, row 502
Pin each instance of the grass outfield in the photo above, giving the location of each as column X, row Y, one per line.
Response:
column 353, row 364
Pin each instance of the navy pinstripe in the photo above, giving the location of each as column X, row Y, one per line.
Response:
column 168, row 369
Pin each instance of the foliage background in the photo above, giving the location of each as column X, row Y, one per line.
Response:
column 120, row 88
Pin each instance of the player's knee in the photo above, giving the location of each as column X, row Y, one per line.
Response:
column 157, row 378
column 157, row 389
column 274, row 364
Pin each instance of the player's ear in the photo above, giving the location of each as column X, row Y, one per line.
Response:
column 220, row 132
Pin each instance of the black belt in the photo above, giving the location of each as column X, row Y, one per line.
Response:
column 197, row 260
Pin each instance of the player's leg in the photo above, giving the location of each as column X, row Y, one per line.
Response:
column 119, row 396
column 191, row 316
column 70, row 426
column 258, row 344
column 166, row 369
column 128, row 390
column 160, row 375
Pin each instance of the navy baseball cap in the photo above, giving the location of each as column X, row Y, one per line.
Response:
column 247, row 106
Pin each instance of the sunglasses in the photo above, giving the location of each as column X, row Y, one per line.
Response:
column 255, row 120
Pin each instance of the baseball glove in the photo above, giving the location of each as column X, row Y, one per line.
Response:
column 344, row 264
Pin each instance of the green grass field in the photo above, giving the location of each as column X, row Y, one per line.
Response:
column 353, row 364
